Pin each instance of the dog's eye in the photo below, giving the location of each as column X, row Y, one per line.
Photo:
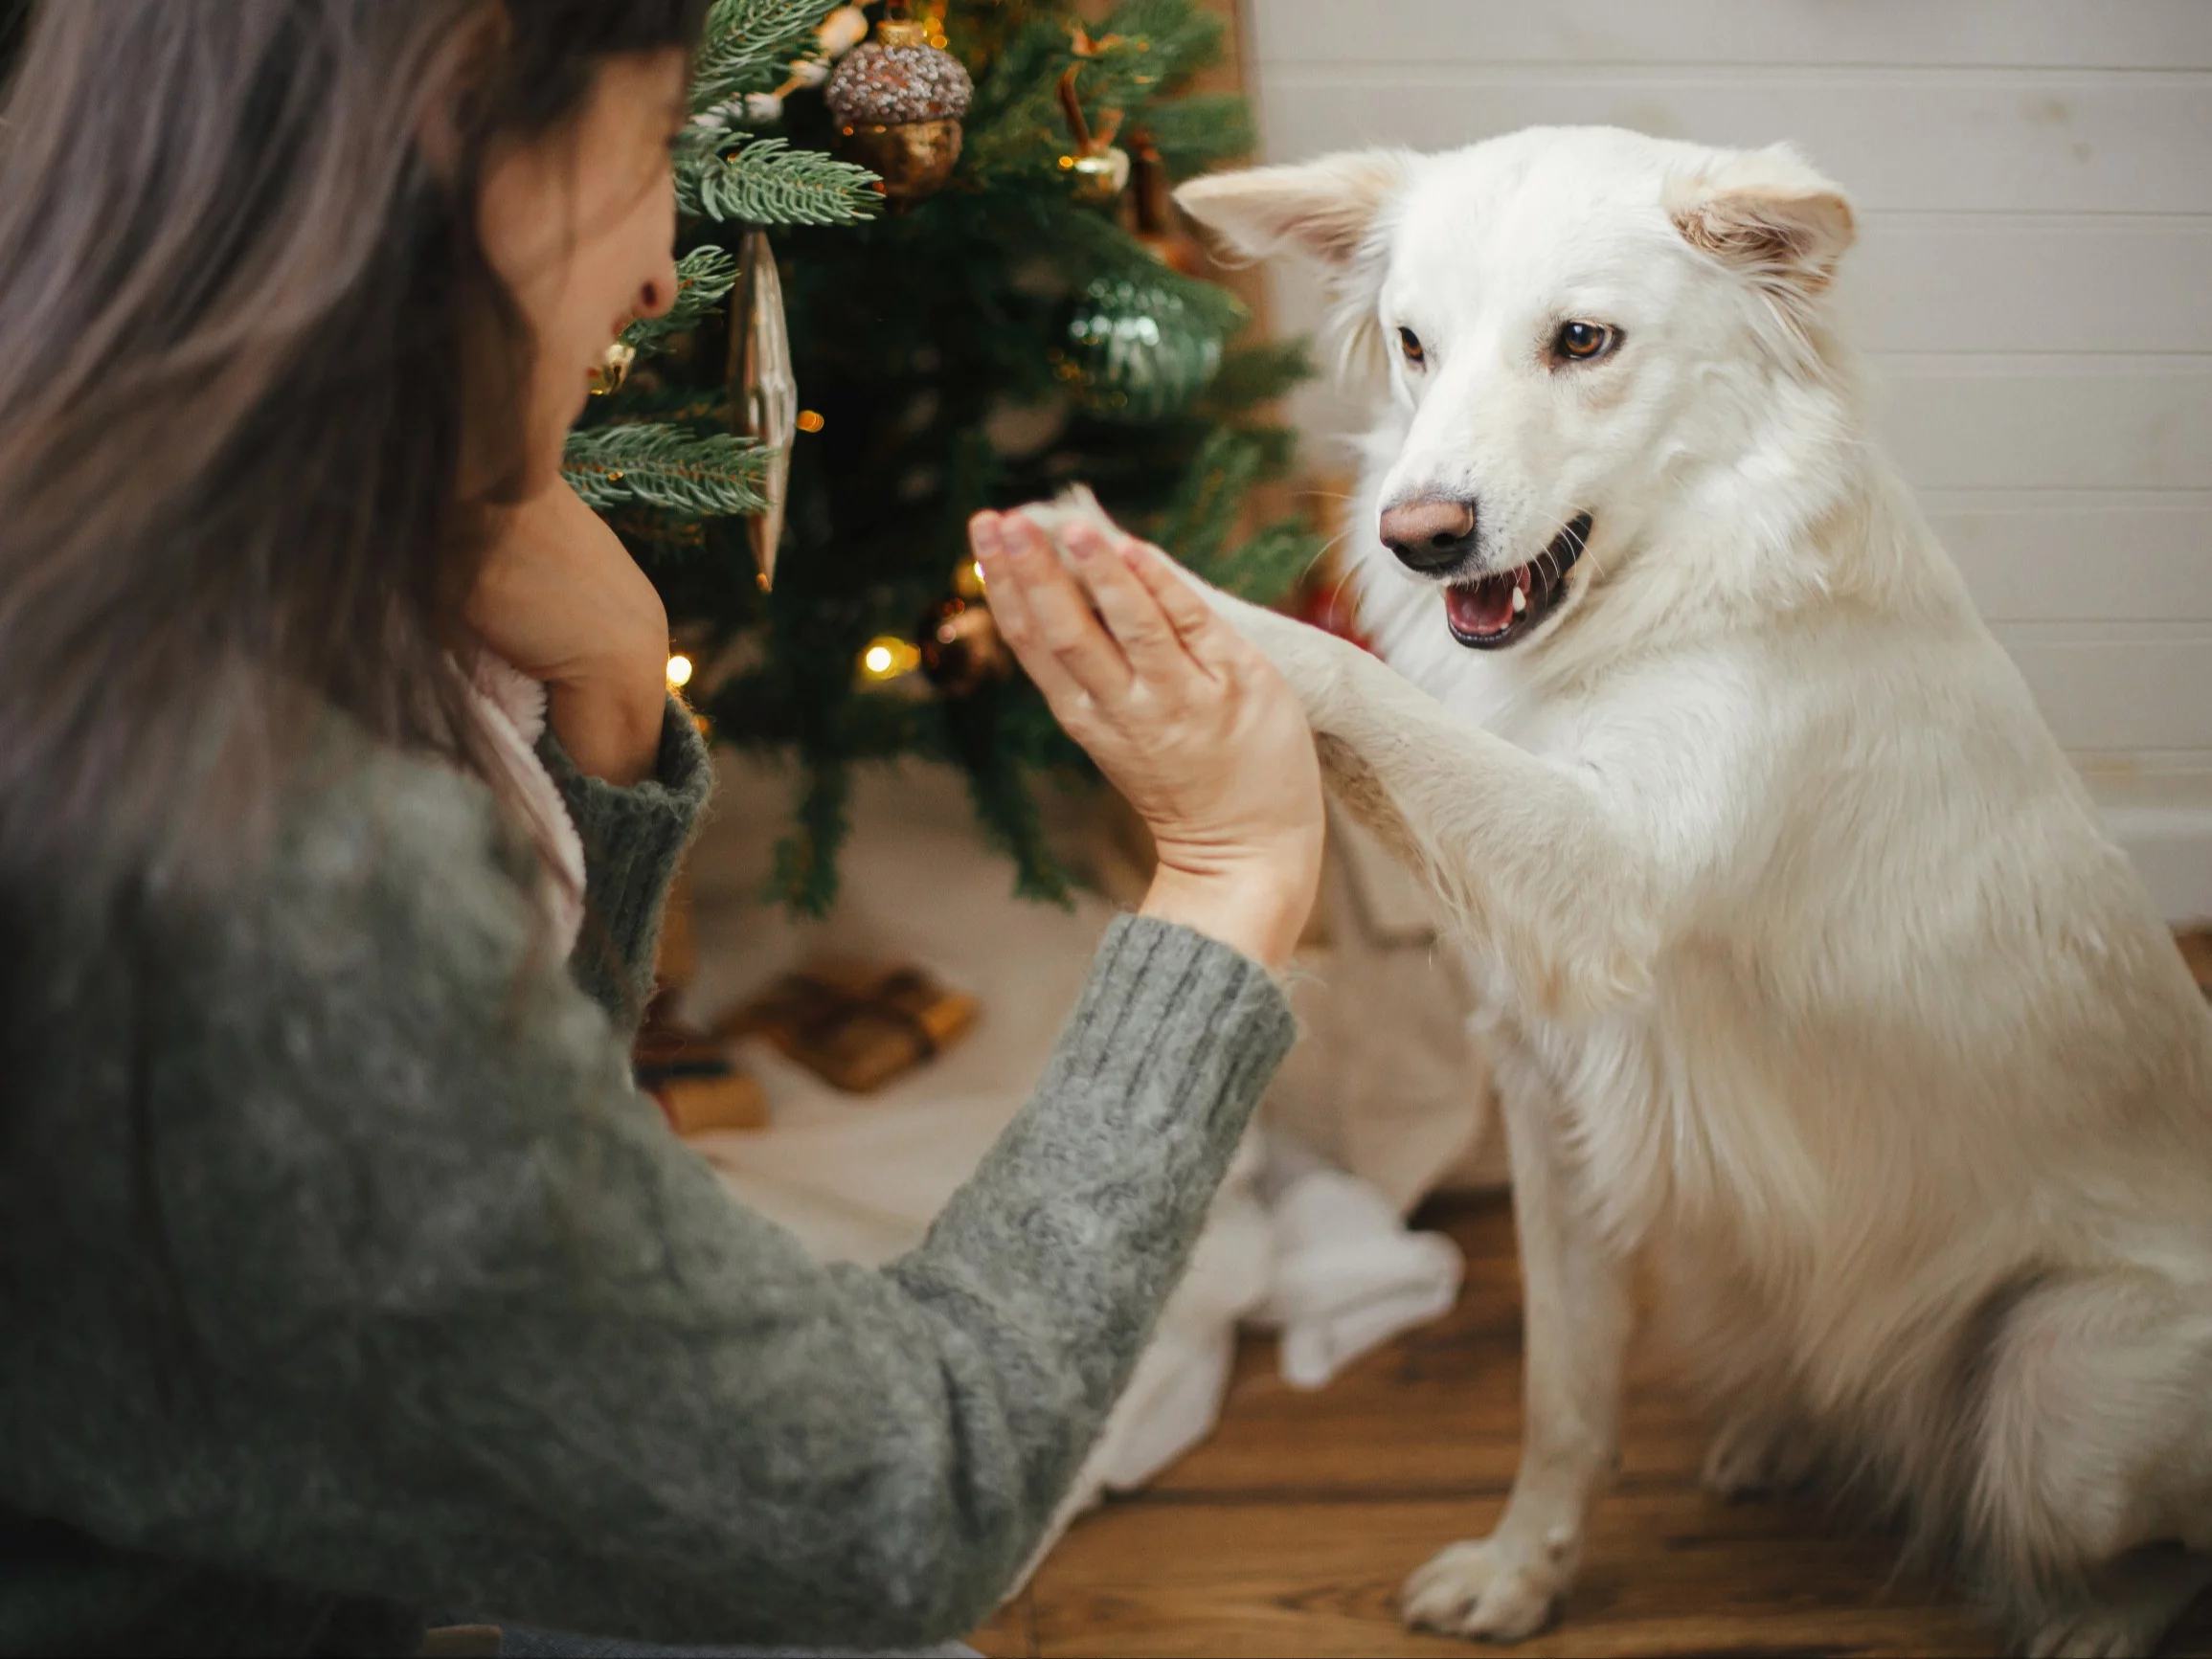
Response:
column 1580, row 342
column 1410, row 343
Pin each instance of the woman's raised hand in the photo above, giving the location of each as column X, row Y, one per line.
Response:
column 560, row 597
column 1188, row 720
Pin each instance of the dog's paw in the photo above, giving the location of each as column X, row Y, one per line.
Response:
column 1753, row 1459
column 2098, row 1633
column 2136, row 1601
column 1487, row 1589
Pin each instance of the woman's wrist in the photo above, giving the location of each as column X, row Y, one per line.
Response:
column 1260, row 910
column 611, row 726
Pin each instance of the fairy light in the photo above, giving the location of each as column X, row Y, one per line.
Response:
column 679, row 671
column 888, row 657
column 810, row 421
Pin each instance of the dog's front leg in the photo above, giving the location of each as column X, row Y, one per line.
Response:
column 1518, row 850
column 1576, row 1322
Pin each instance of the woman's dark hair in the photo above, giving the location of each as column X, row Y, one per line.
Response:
column 242, row 310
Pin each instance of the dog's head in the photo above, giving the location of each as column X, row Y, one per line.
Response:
column 1582, row 327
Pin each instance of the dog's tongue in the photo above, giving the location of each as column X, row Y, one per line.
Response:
column 1478, row 607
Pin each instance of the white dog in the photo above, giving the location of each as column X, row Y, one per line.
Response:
column 1815, row 984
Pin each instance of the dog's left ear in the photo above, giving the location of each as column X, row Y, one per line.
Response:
column 1767, row 214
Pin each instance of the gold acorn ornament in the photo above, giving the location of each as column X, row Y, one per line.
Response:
column 897, row 102
column 763, row 394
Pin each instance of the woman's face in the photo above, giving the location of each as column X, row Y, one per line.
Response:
column 581, row 226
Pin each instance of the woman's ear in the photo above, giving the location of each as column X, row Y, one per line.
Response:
column 1326, row 209
column 464, row 66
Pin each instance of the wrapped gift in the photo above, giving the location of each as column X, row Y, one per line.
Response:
column 691, row 1075
column 855, row 1025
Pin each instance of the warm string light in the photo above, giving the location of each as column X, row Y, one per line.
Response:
column 679, row 671
column 886, row 657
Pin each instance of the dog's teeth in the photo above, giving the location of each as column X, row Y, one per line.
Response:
column 1520, row 598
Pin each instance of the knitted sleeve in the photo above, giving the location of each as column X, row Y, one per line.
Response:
column 473, row 1329
column 633, row 839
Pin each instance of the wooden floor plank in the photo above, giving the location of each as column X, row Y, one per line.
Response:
column 1290, row 1531
column 1666, row 1572
column 1013, row 1634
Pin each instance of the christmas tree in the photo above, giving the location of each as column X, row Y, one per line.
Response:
column 997, row 304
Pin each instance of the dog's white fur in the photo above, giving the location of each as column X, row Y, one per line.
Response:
column 1814, row 983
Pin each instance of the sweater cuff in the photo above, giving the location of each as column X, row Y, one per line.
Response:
column 1182, row 1027
column 633, row 839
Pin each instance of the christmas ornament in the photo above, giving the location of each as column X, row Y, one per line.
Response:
column 897, row 102
column 612, row 369
column 1331, row 606
column 1134, row 349
column 961, row 648
column 841, row 32
column 1100, row 170
column 763, row 396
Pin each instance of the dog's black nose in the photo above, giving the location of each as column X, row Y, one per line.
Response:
column 1429, row 535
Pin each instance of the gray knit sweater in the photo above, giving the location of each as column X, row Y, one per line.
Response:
column 391, row 1293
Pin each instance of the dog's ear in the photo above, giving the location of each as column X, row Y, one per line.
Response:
column 1326, row 209
column 1767, row 214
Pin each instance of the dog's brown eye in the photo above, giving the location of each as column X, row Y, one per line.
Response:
column 1410, row 343
column 1583, row 341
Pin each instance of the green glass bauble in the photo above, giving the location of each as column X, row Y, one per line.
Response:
column 1133, row 350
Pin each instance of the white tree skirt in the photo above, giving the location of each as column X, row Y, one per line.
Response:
column 1290, row 1241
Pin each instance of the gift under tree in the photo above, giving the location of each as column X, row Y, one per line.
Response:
column 929, row 267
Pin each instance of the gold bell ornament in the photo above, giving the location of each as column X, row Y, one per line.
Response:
column 897, row 102
column 1099, row 167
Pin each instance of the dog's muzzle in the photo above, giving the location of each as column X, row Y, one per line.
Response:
column 1488, row 612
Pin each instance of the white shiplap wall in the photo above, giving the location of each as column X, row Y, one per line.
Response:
column 2033, row 275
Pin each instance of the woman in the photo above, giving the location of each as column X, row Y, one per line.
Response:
column 345, row 1274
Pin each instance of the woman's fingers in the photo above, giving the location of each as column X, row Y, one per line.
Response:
column 1205, row 632
column 1044, row 615
column 1061, row 614
column 1010, row 611
column 1140, row 626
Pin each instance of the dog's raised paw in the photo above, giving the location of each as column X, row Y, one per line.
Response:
column 1480, row 1589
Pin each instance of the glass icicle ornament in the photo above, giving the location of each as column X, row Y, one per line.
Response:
column 763, row 395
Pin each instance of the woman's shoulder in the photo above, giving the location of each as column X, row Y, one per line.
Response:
column 362, row 858
column 354, row 809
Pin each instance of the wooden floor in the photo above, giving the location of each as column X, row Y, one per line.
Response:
column 1290, row 1530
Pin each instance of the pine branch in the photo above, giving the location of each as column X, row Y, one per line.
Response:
column 805, row 870
column 765, row 182
column 1199, row 130
column 703, row 278
column 1269, row 564
column 666, row 467
column 703, row 410
column 1096, row 245
column 1166, row 42
column 748, row 45
column 1203, row 511
column 1254, row 374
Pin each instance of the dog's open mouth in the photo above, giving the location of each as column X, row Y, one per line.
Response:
column 1494, row 611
